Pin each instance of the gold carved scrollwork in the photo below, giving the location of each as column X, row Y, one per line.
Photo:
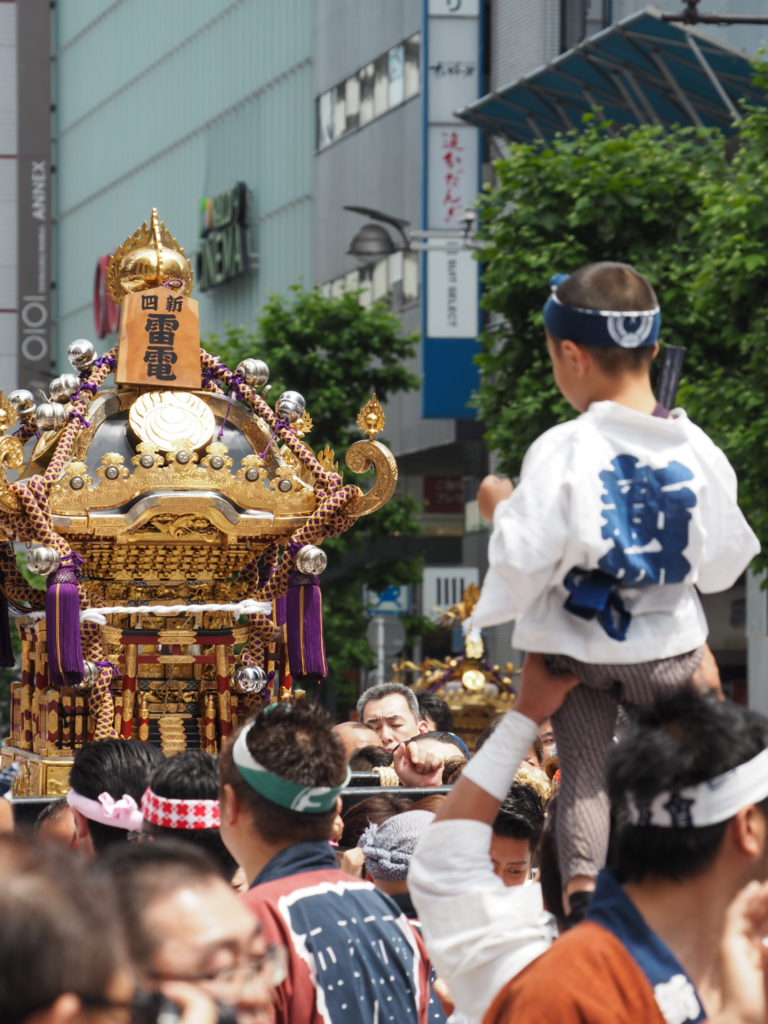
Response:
column 219, row 452
column 249, row 467
column 188, row 526
column 74, row 480
column 303, row 424
column 148, row 448
column 327, row 459
column 11, row 457
column 363, row 456
column 371, row 418
column 8, row 414
column 111, row 461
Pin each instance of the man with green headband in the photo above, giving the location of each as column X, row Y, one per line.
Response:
column 352, row 955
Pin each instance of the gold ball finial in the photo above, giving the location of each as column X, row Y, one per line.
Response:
column 148, row 258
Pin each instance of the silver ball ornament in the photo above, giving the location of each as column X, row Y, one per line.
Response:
column 43, row 560
column 250, row 679
column 311, row 560
column 51, row 416
column 62, row 388
column 81, row 354
column 91, row 673
column 23, row 401
column 290, row 406
column 255, row 371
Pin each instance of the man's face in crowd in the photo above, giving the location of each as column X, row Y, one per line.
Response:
column 353, row 737
column 392, row 720
column 547, row 738
column 511, row 859
column 207, row 936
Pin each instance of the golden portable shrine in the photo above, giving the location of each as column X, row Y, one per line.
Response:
column 176, row 519
column 473, row 688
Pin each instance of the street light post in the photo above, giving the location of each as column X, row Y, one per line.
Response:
column 690, row 16
column 372, row 241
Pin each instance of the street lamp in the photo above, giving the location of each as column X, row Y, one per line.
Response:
column 373, row 241
column 690, row 16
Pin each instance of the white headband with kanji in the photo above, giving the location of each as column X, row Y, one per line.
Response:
column 709, row 802
column 174, row 813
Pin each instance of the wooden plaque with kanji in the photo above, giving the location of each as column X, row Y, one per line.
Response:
column 159, row 340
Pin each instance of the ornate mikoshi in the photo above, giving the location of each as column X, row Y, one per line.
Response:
column 166, row 522
column 474, row 689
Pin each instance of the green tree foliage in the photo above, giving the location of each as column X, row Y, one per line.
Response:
column 336, row 352
column 687, row 208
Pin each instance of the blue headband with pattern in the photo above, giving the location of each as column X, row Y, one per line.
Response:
column 602, row 328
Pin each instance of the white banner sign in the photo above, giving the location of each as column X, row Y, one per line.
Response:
column 452, row 293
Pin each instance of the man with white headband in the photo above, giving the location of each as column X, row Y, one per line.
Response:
column 107, row 781
column 353, row 956
column 689, row 791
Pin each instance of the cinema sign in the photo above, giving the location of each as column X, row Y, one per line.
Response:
column 224, row 252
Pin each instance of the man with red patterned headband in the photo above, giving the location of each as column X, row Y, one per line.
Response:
column 182, row 802
column 352, row 955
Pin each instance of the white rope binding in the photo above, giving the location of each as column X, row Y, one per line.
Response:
column 98, row 615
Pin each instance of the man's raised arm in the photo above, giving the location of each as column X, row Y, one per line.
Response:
column 480, row 933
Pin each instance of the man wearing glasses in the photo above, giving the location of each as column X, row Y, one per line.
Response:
column 184, row 923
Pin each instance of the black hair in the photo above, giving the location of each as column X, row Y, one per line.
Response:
column 192, row 775
column 59, row 928
column 681, row 740
column 367, row 758
column 521, row 815
column 374, row 810
column 295, row 741
column 488, row 731
column 616, row 286
column 441, row 737
column 117, row 767
column 434, row 706
column 52, row 810
column 144, row 872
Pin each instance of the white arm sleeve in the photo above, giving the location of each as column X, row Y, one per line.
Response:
column 730, row 544
column 479, row 933
column 530, row 531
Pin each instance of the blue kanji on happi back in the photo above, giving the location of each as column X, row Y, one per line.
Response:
column 361, row 952
column 646, row 518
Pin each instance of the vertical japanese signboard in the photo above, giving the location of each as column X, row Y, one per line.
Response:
column 168, row 353
column 33, row 42
column 452, row 174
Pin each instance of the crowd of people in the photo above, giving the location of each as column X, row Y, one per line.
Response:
column 218, row 893
column 600, row 856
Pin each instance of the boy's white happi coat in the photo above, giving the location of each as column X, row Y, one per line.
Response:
column 638, row 497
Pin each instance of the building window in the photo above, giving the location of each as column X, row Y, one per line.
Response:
column 385, row 83
column 412, row 73
column 367, row 75
column 394, row 277
column 396, row 71
column 324, row 120
column 353, row 103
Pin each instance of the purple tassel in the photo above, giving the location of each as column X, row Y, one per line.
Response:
column 281, row 611
column 62, row 619
column 306, row 647
column 7, row 657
